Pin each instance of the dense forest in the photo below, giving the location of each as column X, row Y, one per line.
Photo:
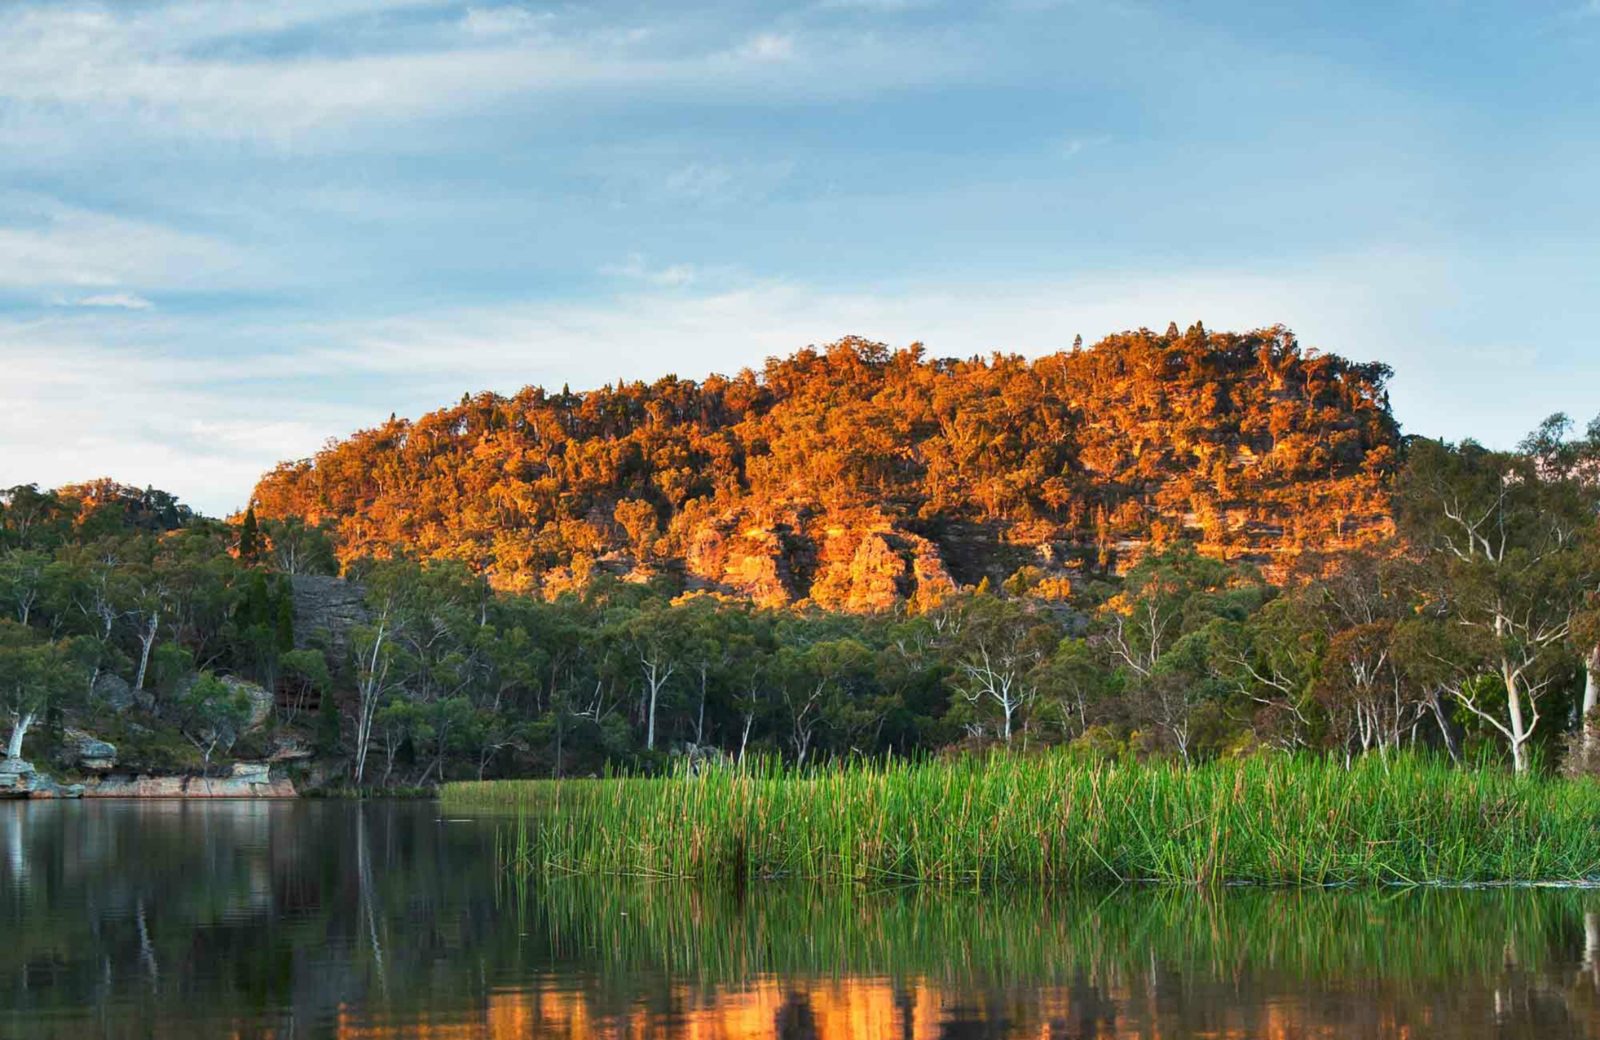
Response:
column 855, row 477
column 1188, row 546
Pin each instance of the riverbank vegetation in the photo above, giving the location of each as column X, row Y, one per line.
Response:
column 1059, row 818
column 1459, row 619
column 123, row 612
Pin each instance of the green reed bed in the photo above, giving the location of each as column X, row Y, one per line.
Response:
column 1031, row 934
column 1059, row 819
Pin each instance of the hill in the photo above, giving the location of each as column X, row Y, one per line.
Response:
column 855, row 476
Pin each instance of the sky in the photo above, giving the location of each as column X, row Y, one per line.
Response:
column 230, row 231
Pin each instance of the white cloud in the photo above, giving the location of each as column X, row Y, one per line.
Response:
column 769, row 47
column 44, row 244
column 206, row 426
column 72, row 409
column 1349, row 307
column 878, row 6
column 125, row 301
column 503, row 21
column 1074, row 146
column 635, row 268
column 212, row 69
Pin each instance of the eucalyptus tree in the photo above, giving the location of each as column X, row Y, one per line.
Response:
column 293, row 546
column 1510, row 566
column 826, row 690
column 36, row 674
column 1161, row 635
column 996, row 647
column 212, row 713
column 657, row 638
column 24, row 575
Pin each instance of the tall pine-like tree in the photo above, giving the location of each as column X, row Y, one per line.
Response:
column 249, row 536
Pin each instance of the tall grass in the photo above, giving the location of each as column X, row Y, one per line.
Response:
column 1059, row 819
column 1029, row 935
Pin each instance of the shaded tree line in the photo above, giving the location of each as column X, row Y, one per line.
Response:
column 117, row 599
column 1472, row 630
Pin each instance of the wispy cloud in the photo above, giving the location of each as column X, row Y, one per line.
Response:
column 46, row 244
column 72, row 409
column 505, row 21
column 769, row 47
column 1074, row 146
column 635, row 268
column 125, row 301
column 220, row 69
column 191, row 421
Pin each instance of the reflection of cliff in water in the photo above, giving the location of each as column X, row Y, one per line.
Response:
column 307, row 919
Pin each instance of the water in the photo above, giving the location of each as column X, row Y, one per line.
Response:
column 324, row 919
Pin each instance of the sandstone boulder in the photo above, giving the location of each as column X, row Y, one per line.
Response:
column 114, row 692
column 19, row 779
column 16, row 776
column 251, row 772
column 254, row 783
column 85, row 751
column 262, row 702
column 261, row 699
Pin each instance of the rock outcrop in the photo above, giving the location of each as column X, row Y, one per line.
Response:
column 246, row 780
column 19, row 779
column 325, row 610
column 114, row 692
column 260, row 698
column 80, row 750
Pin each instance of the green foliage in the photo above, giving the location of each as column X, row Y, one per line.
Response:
column 1466, row 631
column 37, row 675
column 213, row 713
column 1060, row 818
column 249, row 536
column 1512, row 560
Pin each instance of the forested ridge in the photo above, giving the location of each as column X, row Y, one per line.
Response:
column 1183, row 546
column 855, row 476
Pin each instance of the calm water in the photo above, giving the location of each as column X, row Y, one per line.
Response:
column 308, row 919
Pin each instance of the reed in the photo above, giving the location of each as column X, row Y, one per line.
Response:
column 1029, row 936
column 1058, row 819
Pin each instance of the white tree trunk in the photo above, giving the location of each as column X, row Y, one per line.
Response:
column 1520, row 731
column 147, row 639
column 1591, row 692
column 744, row 738
column 18, row 732
column 655, row 677
column 371, row 689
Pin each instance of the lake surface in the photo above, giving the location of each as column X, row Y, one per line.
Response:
column 180, row 919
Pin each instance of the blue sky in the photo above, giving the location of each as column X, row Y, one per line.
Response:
column 229, row 231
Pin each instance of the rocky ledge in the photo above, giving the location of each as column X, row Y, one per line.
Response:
column 247, row 780
column 19, row 779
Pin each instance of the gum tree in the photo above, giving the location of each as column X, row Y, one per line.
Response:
column 35, row 675
column 1509, row 547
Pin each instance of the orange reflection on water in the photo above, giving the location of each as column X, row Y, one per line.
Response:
column 921, row 1009
column 828, row 1011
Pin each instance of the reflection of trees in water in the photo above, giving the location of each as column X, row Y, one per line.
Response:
column 173, row 910
column 334, row 919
